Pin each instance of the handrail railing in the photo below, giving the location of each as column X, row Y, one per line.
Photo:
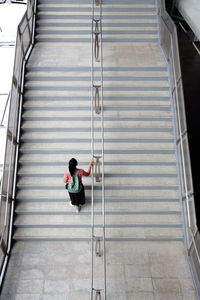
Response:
column 24, row 44
column 97, row 175
column 169, row 43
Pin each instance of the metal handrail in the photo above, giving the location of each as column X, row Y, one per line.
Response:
column 102, row 138
column 92, row 154
column 178, row 82
column 97, row 107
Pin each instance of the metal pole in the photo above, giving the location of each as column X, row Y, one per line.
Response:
column 102, row 137
column 97, row 55
column 92, row 155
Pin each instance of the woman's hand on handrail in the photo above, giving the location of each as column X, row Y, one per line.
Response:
column 91, row 164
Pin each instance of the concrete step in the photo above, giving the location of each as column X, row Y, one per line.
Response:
column 134, row 155
column 69, row 218
column 134, row 169
column 63, row 136
column 122, row 181
column 111, row 77
column 111, row 92
column 84, row 80
column 77, row 40
column 134, row 13
column 171, row 203
column 137, row 101
column 83, row 160
column 106, row 8
column 128, row 100
column 85, row 28
column 45, row 139
column 113, row 123
column 109, row 13
column 80, row 36
column 45, row 157
column 107, row 33
column 120, row 109
column 125, row 112
column 123, row 205
column 85, row 8
column 78, row 2
column 78, row 74
column 84, row 70
column 109, row 82
column 68, row 119
column 140, row 23
column 155, row 234
column 62, row 149
column 141, row 191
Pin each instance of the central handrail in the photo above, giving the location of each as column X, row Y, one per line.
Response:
column 97, row 110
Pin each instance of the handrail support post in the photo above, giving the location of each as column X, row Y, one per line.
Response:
column 97, row 99
column 97, row 294
column 97, row 171
column 98, row 251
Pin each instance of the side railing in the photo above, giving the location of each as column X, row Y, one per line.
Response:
column 98, row 290
column 24, row 43
column 169, row 44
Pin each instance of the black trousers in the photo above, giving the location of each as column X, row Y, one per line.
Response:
column 78, row 198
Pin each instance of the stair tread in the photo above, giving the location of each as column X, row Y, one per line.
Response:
column 138, row 127
column 54, row 207
column 132, row 233
column 83, row 218
column 109, row 169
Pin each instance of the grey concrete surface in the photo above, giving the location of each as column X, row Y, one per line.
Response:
column 145, row 254
column 61, row 270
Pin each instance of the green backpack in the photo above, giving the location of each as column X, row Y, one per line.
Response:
column 74, row 185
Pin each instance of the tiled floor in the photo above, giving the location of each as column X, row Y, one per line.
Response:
column 48, row 271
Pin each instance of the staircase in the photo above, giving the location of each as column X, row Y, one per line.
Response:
column 140, row 164
column 143, row 212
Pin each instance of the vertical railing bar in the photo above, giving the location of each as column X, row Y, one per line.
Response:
column 102, row 132
column 92, row 154
column 98, row 35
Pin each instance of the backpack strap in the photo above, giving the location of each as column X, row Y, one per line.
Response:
column 77, row 173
